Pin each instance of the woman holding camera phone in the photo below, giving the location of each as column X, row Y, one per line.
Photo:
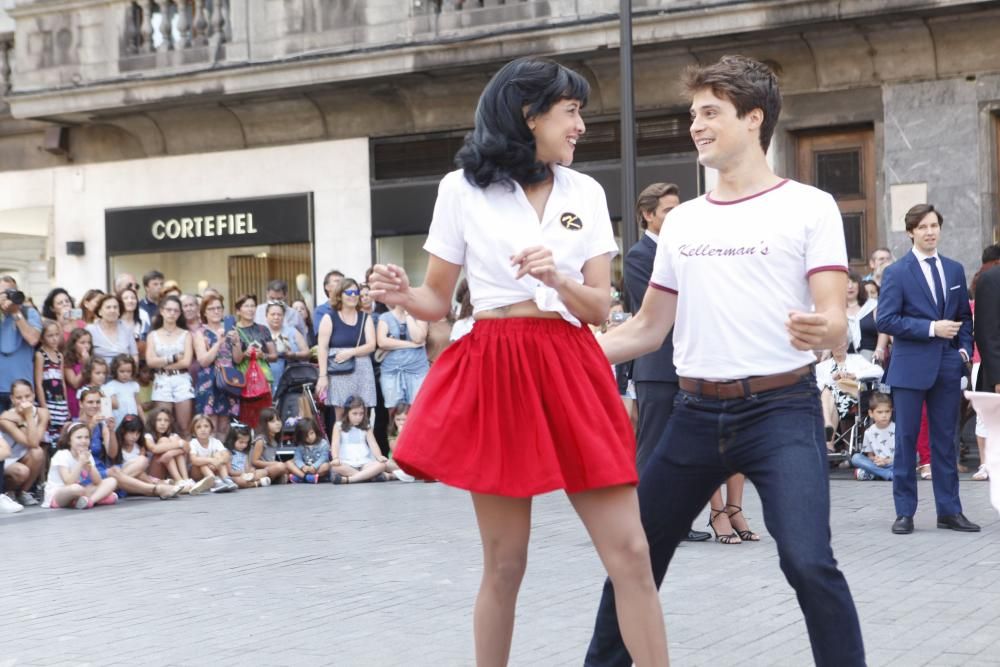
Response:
column 59, row 307
column 253, row 341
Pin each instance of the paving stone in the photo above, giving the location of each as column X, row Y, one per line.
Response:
column 386, row 574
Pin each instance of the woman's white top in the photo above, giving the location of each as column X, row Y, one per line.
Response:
column 482, row 228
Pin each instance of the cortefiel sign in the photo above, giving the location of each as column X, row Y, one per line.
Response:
column 226, row 223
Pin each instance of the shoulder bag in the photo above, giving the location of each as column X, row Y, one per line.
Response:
column 334, row 367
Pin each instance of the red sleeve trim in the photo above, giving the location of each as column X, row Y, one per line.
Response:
column 662, row 288
column 832, row 267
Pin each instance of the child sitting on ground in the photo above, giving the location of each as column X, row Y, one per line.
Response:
column 356, row 456
column 312, row 454
column 395, row 428
column 265, row 446
column 241, row 471
column 74, row 480
column 209, row 458
column 875, row 459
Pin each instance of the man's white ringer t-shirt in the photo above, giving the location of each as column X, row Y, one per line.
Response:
column 738, row 269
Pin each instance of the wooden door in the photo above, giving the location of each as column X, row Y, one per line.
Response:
column 842, row 163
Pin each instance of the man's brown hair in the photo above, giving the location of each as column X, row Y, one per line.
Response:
column 747, row 83
column 918, row 213
column 650, row 197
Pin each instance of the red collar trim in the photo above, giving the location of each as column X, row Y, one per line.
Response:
column 708, row 196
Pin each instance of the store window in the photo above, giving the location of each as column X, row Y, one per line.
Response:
column 235, row 246
column 842, row 163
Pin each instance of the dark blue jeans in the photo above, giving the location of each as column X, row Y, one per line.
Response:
column 776, row 439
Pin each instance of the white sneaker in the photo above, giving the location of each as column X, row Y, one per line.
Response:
column 26, row 499
column 403, row 477
column 219, row 485
column 8, row 506
column 230, row 484
column 201, row 486
column 982, row 474
column 265, row 481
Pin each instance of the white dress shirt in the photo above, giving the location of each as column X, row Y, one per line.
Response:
column 926, row 269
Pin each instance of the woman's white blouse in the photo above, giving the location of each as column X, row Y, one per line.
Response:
column 482, row 228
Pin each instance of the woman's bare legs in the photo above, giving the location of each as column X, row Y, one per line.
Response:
column 611, row 516
column 183, row 412
column 504, row 526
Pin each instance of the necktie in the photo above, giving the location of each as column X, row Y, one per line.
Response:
column 938, row 287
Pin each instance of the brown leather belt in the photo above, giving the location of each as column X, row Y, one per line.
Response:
column 744, row 387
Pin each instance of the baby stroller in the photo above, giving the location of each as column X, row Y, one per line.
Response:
column 293, row 399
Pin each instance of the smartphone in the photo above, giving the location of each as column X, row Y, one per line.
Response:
column 228, row 324
column 106, row 406
column 619, row 317
column 76, row 314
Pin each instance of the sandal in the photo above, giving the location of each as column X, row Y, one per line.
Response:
column 731, row 538
column 746, row 535
column 925, row 471
column 171, row 492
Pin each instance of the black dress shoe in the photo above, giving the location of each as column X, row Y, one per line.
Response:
column 903, row 525
column 697, row 536
column 957, row 522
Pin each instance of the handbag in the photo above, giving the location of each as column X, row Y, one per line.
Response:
column 256, row 383
column 230, row 380
column 334, row 367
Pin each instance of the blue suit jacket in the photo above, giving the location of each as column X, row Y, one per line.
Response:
column 906, row 309
column 656, row 366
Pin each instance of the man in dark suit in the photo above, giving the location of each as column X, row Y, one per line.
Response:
column 654, row 374
column 986, row 291
column 924, row 305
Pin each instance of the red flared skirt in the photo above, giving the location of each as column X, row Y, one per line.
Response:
column 520, row 407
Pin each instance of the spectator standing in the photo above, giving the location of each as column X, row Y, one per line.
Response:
column 254, row 340
column 331, row 284
column 152, row 283
column 405, row 363
column 50, row 378
column 289, row 344
column 135, row 318
column 125, row 281
column 346, row 334
column 924, row 306
column 76, row 358
column 20, row 331
column 124, row 389
column 987, row 335
column 169, row 353
column 277, row 292
column 58, row 307
column 111, row 336
column 303, row 310
column 463, row 318
column 88, row 305
column 877, row 261
column 216, row 349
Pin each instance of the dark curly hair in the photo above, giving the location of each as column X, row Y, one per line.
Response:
column 501, row 147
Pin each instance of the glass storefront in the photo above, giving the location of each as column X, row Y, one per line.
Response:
column 235, row 246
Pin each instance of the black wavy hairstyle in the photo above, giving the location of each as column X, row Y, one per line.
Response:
column 501, row 148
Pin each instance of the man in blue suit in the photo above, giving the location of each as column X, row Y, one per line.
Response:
column 924, row 305
column 654, row 374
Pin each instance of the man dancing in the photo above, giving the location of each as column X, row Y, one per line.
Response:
column 755, row 274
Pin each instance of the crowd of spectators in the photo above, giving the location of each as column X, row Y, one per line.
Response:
column 172, row 393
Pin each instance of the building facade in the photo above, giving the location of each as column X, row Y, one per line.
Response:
column 194, row 109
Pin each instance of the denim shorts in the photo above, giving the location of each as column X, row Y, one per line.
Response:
column 400, row 387
column 172, row 388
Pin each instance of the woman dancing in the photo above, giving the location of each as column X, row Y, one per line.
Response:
column 524, row 404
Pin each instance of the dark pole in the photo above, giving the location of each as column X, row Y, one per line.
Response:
column 628, row 226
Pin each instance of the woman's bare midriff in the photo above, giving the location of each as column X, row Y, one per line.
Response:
column 520, row 309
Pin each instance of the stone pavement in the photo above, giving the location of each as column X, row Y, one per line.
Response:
column 385, row 574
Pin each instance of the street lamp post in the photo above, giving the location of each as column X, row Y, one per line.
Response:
column 627, row 226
